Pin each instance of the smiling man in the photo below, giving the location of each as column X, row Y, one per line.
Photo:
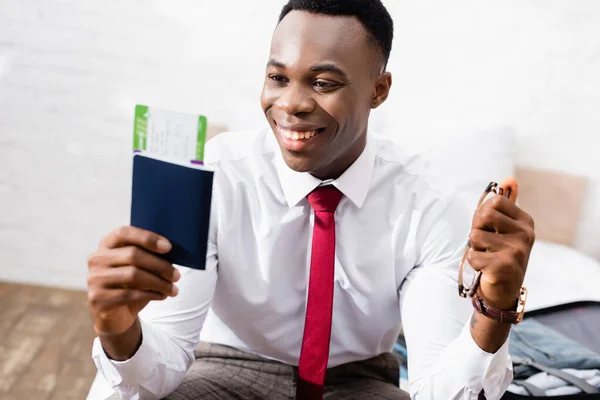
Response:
column 324, row 241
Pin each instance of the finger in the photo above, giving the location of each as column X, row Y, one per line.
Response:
column 133, row 278
column 479, row 260
column 132, row 255
column 496, row 267
column 108, row 299
column 130, row 235
column 482, row 240
column 511, row 185
column 503, row 205
column 492, row 220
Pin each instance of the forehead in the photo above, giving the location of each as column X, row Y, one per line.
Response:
column 306, row 38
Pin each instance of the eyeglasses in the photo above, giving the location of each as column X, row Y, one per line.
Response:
column 466, row 273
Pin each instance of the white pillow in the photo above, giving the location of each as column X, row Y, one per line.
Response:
column 468, row 161
column 558, row 274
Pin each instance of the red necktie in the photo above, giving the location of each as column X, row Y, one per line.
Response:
column 317, row 327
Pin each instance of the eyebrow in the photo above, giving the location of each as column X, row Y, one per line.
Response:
column 315, row 68
column 328, row 68
column 274, row 63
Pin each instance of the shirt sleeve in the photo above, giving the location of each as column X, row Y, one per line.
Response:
column 444, row 362
column 170, row 333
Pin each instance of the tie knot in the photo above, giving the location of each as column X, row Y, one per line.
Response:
column 325, row 198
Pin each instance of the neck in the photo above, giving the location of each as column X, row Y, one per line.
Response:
column 337, row 167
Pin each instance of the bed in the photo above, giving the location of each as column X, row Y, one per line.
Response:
column 563, row 282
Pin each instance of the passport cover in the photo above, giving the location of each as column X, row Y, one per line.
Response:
column 173, row 201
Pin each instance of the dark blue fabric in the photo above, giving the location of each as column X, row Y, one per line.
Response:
column 539, row 343
column 173, row 201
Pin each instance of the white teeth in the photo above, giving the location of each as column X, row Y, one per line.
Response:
column 297, row 135
column 286, row 133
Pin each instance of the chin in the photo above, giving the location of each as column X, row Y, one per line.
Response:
column 298, row 163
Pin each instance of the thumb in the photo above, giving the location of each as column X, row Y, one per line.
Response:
column 511, row 184
column 137, row 307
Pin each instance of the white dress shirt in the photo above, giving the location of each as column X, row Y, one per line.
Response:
column 399, row 238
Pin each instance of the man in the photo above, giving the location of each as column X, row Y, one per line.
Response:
column 324, row 241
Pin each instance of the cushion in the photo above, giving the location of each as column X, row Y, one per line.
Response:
column 554, row 200
column 558, row 275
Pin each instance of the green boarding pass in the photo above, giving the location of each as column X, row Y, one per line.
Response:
column 169, row 134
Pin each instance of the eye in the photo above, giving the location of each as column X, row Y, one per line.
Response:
column 278, row 80
column 325, row 85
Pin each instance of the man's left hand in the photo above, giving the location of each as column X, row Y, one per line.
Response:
column 501, row 239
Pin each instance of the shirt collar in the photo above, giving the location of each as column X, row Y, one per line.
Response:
column 354, row 183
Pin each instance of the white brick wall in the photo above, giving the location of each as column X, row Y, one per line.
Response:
column 71, row 71
column 531, row 64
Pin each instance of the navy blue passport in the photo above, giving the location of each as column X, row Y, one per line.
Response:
column 173, row 201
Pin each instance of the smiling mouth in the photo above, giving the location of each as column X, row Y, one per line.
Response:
column 299, row 134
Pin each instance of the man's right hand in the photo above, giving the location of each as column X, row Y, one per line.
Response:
column 124, row 275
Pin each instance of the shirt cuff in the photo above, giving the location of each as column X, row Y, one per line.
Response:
column 483, row 370
column 130, row 372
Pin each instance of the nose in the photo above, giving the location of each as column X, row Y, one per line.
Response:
column 295, row 100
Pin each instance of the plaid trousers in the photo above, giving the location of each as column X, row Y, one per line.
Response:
column 221, row 372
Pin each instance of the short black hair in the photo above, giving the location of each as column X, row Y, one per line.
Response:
column 371, row 13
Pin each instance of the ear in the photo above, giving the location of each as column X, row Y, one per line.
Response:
column 382, row 89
